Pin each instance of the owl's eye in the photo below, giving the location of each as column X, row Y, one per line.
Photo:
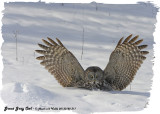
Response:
column 91, row 76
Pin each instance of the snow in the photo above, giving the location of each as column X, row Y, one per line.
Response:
column 27, row 83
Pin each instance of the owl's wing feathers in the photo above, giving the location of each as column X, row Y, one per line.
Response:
column 124, row 62
column 60, row 62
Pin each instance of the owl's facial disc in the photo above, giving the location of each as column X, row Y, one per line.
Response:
column 94, row 77
column 94, row 80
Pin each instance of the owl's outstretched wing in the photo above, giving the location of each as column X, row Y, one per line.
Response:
column 124, row 62
column 60, row 62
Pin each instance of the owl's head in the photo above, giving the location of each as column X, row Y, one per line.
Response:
column 94, row 77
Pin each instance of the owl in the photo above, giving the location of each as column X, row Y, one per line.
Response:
column 121, row 69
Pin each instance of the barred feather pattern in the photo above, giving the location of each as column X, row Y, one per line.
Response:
column 60, row 62
column 124, row 62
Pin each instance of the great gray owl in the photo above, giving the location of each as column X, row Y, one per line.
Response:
column 123, row 64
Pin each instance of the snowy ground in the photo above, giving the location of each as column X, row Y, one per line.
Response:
column 27, row 83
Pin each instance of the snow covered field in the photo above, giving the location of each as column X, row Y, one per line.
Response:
column 27, row 83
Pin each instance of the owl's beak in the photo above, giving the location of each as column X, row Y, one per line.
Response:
column 94, row 82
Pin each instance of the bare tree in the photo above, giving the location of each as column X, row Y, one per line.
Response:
column 15, row 36
column 82, row 43
column 96, row 7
